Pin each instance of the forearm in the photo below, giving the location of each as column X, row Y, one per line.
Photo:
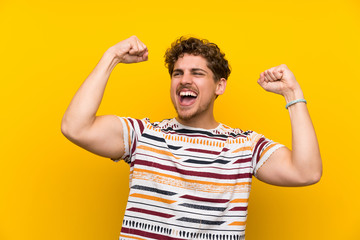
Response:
column 305, row 148
column 82, row 109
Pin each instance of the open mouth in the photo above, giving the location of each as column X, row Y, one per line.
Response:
column 187, row 97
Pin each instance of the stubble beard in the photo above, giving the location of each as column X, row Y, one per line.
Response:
column 191, row 114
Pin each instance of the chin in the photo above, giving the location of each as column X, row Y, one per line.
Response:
column 185, row 116
column 189, row 113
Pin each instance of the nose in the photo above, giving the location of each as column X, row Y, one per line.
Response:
column 186, row 78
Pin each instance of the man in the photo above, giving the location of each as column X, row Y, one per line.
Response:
column 190, row 176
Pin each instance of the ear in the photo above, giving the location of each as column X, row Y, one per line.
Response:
column 220, row 86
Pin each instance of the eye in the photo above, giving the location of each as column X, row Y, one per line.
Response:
column 198, row 73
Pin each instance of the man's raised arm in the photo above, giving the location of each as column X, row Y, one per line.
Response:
column 101, row 135
column 303, row 165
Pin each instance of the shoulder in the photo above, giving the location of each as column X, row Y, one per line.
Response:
column 233, row 132
column 166, row 124
column 135, row 124
column 237, row 135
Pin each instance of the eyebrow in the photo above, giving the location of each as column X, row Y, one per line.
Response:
column 191, row 70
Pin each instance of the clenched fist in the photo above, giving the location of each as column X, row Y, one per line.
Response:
column 130, row 50
column 280, row 80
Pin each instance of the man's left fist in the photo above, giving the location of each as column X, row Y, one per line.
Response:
column 279, row 80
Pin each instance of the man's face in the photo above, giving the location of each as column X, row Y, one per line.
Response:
column 193, row 89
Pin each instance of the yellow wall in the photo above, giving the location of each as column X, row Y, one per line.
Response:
column 52, row 189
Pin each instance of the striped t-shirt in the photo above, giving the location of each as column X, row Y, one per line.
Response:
column 189, row 183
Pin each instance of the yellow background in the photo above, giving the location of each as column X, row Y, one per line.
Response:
column 52, row 189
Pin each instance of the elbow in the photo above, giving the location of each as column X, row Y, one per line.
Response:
column 67, row 130
column 71, row 131
column 64, row 127
column 315, row 178
column 74, row 130
column 312, row 178
column 312, row 174
column 70, row 134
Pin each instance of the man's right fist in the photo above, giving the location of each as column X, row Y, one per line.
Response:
column 130, row 50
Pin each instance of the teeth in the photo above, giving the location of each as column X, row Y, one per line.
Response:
column 184, row 94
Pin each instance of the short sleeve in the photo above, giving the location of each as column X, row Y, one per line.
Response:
column 132, row 130
column 262, row 148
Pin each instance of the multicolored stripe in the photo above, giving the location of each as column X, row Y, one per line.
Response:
column 189, row 183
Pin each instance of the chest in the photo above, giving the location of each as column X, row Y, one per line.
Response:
column 194, row 155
